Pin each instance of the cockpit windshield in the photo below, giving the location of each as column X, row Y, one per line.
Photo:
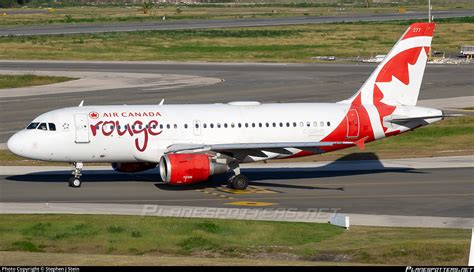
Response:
column 32, row 126
column 42, row 126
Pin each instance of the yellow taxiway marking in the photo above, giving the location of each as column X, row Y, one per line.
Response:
column 249, row 190
column 251, row 203
column 216, row 193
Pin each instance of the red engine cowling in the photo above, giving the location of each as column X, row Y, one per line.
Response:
column 188, row 168
column 132, row 167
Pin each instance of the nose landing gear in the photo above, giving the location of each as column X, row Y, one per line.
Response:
column 75, row 180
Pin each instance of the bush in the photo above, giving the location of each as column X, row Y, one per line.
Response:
column 7, row 3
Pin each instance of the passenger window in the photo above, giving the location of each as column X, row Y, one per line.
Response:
column 225, row 125
column 253, row 124
column 239, row 125
column 232, row 125
column 315, row 124
column 161, row 126
column 274, row 125
column 301, row 124
column 287, row 124
column 204, row 125
column 168, row 126
column 42, row 126
column 260, row 124
column 212, row 125
column 294, row 124
column 267, row 124
column 218, row 125
column 52, row 127
column 321, row 124
column 32, row 126
column 175, row 126
column 281, row 124
column 308, row 124
column 185, row 125
column 329, row 124
column 246, row 125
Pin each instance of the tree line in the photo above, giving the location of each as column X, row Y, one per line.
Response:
column 12, row 3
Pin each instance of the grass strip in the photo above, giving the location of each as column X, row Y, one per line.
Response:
column 300, row 43
column 27, row 80
column 160, row 236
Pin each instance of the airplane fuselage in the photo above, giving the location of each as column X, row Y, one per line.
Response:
column 143, row 133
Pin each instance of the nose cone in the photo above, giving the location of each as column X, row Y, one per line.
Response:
column 16, row 144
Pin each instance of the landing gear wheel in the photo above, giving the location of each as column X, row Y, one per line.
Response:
column 74, row 182
column 239, row 182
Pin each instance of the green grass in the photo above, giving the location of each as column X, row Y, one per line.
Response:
column 139, row 235
column 257, row 44
column 26, row 80
column 63, row 14
column 159, row 236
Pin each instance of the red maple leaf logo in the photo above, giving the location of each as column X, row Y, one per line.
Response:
column 93, row 115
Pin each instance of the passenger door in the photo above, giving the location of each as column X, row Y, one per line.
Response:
column 82, row 128
column 353, row 124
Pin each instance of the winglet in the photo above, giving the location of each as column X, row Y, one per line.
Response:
column 82, row 103
column 162, row 102
column 361, row 143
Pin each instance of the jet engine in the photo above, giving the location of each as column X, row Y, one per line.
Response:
column 132, row 167
column 189, row 168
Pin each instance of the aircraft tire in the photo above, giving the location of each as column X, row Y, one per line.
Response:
column 239, row 182
column 75, row 182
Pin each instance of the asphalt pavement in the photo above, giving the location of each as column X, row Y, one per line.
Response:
column 57, row 29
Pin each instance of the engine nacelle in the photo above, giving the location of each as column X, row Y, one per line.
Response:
column 189, row 168
column 132, row 167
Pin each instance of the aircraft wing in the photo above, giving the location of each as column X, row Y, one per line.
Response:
column 197, row 148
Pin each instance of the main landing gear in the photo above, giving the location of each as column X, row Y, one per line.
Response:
column 237, row 181
column 75, row 180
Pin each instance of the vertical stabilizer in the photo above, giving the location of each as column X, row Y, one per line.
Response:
column 397, row 79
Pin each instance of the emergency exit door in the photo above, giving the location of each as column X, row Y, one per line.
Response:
column 197, row 127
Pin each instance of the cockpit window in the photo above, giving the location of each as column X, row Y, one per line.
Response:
column 42, row 126
column 32, row 126
column 52, row 127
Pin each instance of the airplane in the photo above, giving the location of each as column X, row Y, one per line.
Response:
column 192, row 142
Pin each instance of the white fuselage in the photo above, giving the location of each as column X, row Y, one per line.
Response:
column 143, row 133
column 176, row 124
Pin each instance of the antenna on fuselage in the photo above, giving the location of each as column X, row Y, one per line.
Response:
column 82, row 103
column 162, row 102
